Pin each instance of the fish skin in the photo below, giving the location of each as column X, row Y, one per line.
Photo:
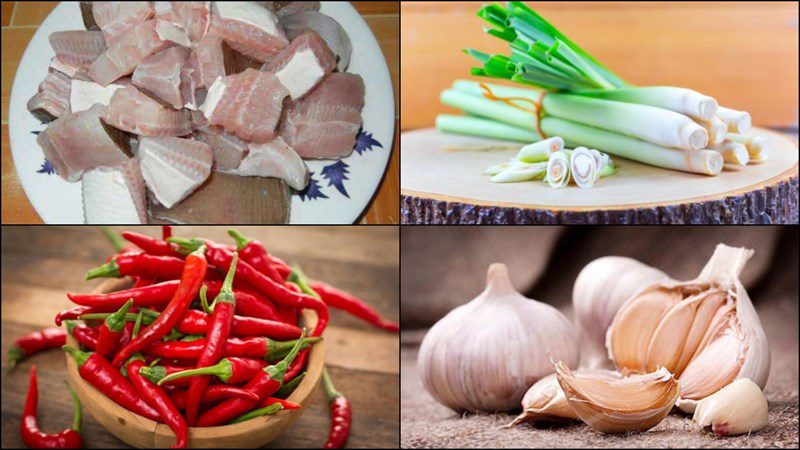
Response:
column 133, row 111
column 277, row 160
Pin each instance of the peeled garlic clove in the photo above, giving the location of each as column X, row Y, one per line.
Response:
column 601, row 289
column 484, row 355
column 611, row 404
column 544, row 401
column 705, row 331
column 738, row 408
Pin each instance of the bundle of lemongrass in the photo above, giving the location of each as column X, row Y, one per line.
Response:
column 549, row 161
column 574, row 96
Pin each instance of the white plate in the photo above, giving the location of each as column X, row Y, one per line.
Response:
column 58, row 201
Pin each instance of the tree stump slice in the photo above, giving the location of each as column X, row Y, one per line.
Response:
column 442, row 182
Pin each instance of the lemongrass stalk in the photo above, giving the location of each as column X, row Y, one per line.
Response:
column 733, row 152
column 716, row 128
column 540, row 151
column 706, row 162
column 517, row 172
column 558, row 169
column 680, row 100
column 474, row 126
column 756, row 145
column 737, row 121
column 497, row 168
column 583, row 167
column 658, row 126
column 483, row 107
column 473, row 87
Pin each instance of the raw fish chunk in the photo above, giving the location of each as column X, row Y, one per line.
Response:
column 116, row 18
column 115, row 195
column 303, row 64
column 194, row 18
column 248, row 29
column 77, row 142
column 213, row 58
column 127, row 52
column 52, row 99
column 329, row 30
column 227, row 149
column 165, row 75
column 173, row 167
column 275, row 159
column 77, row 49
column 135, row 112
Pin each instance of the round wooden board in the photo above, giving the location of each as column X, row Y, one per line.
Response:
column 443, row 183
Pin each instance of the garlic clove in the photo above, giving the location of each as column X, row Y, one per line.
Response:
column 611, row 404
column 738, row 408
column 544, row 401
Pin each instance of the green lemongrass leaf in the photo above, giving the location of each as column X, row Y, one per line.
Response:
column 507, row 34
column 494, row 14
column 480, row 56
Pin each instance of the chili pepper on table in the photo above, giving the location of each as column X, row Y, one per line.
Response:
column 111, row 331
column 277, row 292
column 341, row 414
column 251, row 347
column 264, row 384
column 267, row 411
column 230, row 370
column 102, row 375
column 139, row 265
column 160, row 401
column 272, row 400
column 340, row 299
column 29, row 428
column 84, row 334
column 150, row 245
column 219, row 329
column 289, row 386
column 191, row 279
column 254, row 253
column 214, row 393
column 35, row 342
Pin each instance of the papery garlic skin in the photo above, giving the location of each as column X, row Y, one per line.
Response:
column 484, row 355
column 601, row 289
column 738, row 408
column 617, row 405
column 545, row 400
column 705, row 331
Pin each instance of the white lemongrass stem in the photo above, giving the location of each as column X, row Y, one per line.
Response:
column 737, row 121
column 651, row 124
column 583, row 167
column 473, row 87
column 540, row 151
column 756, row 145
column 733, row 152
column 558, row 169
column 497, row 168
column 680, row 100
column 706, row 162
column 484, row 128
column 716, row 128
column 483, row 107
column 520, row 172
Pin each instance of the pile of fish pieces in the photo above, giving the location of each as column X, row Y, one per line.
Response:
column 154, row 98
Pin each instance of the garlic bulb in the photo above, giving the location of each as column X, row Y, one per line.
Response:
column 738, row 408
column 484, row 355
column 611, row 404
column 705, row 331
column 544, row 401
column 600, row 290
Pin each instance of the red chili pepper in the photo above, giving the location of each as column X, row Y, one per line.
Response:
column 221, row 257
column 219, row 329
column 111, row 330
column 232, row 370
column 247, row 304
column 297, row 366
column 214, row 393
column 151, row 245
column 74, row 313
column 355, row 306
column 283, row 269
column 191, row 280
column 147, row 296
column 157, row 373
column 341, row 414
column 36, row 342
column 269, row 410
column 120, row 246
column 160, row 401
column 84, row 334
column 166, row 232
column 252, row 347
column 143, row 282
column 264, row 384
column 196, row 322
column 139, row 265
column 254, row 253
column 272, row 400
column 102, row 375
column 29, row 428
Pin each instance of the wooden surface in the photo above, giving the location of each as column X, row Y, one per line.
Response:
column 745, row 54
column 443, row 182
column 39, row 265
column 19, row 23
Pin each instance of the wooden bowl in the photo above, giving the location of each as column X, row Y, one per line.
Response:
column 141, row 432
